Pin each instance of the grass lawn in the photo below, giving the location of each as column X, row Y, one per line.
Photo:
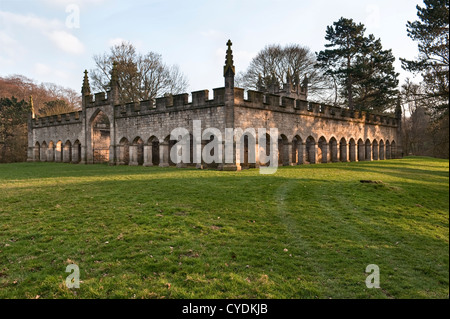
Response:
column 305, row 232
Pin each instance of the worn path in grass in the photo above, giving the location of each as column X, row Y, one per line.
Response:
column 304, row 232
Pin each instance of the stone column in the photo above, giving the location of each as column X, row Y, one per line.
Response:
column 313, row 153
column 164, row 154
column 148, row 155
column 288, row 160
column 83, row 154
column 302, row 155
column 75, row 155
column 343, row 152
column 133, row 155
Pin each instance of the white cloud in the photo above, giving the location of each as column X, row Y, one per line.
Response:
column 51, row 29
column 115, row 41
column 66, row 42
column 64, row 3
column 45, row 71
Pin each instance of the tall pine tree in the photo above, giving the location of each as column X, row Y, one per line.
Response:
column 364, row 71
column 432, row 33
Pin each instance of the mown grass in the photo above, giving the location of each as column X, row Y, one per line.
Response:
column 305, row 232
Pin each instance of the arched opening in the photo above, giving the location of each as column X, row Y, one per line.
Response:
column 67, row 152
column 388, row 150
column 297, row 150
column 310, row 150
column 59, row 152
column 44, row 152
column 247, row 156
column 361, row 150
column 368, row 151
column 170, row 143
column 381, row 151
column 322, row 150
column 393, row 150
column 124, row 151
column 352, row 150
column 51, row 152
column 153, row 143
column 37, row 152
column 333, row 150
column 137, row 152
column 283, row 150
column 101, row 137
column 76, row 152
column 343, row 150
column 375, row 150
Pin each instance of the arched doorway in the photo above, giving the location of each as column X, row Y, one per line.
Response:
column 101, row 138
column 352, row 150
column 322, row 150
column 37, row 152
column 333, row 150
column 311, row 150
column 343, row 150
column 124, row 152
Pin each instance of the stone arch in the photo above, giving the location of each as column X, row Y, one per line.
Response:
column 333, row 149
column 297, row 150
column 151, row 152
column 37, row 152
column 393, row 150
column 283, row 150
column 51, row 152
column 381, row 152
column 361, row 150
column 352, row 150
column 100, row 137
column 375, row 149
column 44, row 152
column 137, row 152
column 67, row 152
column 322, row 150
column 368, row 150
column 247, row 142
column 388, row 150
column 124, row 151
column 76, row 152
column 59, row 151
column 343, row 157
column 311, row 150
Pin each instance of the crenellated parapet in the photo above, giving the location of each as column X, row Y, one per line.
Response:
column 55, row 120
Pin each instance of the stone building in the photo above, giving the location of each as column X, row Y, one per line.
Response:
column 139, row 133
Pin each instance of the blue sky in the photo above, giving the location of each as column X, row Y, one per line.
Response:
column 42, row 40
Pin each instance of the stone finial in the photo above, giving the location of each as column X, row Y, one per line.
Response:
column 229, row 66
column 260, row 84
column 305, row 82
column 86, row 89
column 288, row 77
column 114, row 75
column 398, row 108
column 33, row 114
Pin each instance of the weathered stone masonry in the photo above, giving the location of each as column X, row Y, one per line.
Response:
column 139, row 133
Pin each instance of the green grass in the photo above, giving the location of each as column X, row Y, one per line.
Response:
column 305, row 232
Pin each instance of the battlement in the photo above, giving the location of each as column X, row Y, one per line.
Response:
column 60, row 119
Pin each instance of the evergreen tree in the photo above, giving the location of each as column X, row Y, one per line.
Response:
column 363, row 70
column 432, row 33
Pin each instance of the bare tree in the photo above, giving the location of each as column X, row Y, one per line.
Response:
column 140, row 76
column 275, row 64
